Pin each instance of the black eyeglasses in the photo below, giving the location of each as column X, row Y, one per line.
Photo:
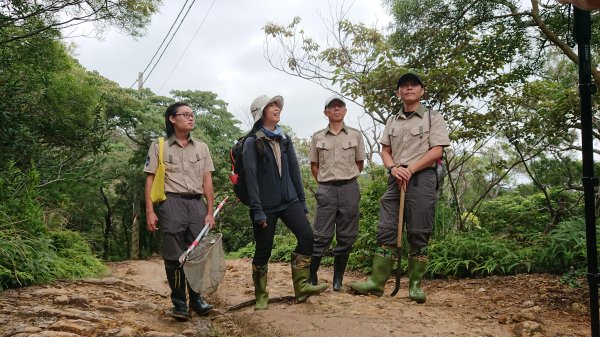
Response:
column 186, row 115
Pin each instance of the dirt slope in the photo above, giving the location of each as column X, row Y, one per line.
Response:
column 132, row 301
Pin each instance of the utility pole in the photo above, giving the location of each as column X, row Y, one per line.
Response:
column 583, row 33
column 134, row 252
column 140, row 80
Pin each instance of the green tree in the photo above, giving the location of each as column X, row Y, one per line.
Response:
column 24, row 19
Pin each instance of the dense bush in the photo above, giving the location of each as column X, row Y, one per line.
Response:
column 564, row 248
column 29, row 252
column 476, row 253
column 514, row 214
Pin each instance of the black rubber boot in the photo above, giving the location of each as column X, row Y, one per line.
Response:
column 197, row 304
column 315, row 263
column 177, row 283
column 339, row 267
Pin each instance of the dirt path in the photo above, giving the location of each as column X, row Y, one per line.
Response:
column 131, row 303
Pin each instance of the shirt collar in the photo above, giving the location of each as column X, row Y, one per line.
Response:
column 172, row 139
column 421, row 111
column 328, row 130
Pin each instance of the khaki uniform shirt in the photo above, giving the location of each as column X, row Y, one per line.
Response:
column 411, row 137
column 184, row 166
column 337, row 154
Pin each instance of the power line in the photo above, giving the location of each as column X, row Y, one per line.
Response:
column 168, row 43
column 188, row 45
column 163, row 41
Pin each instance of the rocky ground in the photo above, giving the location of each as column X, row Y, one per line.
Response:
column 133, row 301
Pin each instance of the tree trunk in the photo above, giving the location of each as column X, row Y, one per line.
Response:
column 107, row 224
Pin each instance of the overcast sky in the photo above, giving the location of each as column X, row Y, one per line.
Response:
column 226, row 55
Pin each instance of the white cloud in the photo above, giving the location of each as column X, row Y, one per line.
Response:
column 226, row 56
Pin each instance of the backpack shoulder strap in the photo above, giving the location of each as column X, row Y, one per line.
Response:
column 260, row 143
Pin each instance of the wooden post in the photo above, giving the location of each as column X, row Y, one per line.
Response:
column 135, row 230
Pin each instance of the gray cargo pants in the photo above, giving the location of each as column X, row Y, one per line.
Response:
column 419, row 210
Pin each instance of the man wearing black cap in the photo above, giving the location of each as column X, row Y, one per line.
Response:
column 337, row 155
column 412, row 141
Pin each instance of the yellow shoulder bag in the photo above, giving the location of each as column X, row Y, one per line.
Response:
column 157, row 193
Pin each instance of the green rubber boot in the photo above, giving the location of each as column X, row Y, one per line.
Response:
column 259, row 276
column 416, row 270
column 382, row 268
column 300, row 275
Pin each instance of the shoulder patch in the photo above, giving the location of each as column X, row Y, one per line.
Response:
column 147, row 160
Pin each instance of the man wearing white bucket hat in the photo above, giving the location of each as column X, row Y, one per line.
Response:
column 275, row 192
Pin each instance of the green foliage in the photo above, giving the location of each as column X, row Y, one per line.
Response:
column 514, row 214
column 29, row 252
column 481, row 253
column 372, row 185
column 236, row 226
column 564, row 248
column 19, row 208
column 574, row 278
column 74, row 258
column 476, row 253
column 22, row 20
column 246, row 251
column 283, row 246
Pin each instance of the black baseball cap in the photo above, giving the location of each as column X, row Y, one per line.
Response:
column 409, row 77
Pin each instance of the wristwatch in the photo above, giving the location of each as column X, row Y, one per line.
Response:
column 390, row 169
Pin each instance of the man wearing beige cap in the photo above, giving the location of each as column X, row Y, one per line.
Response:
column 412, row 142
column 337, row 155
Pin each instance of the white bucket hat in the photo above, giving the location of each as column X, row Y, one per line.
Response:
column 259, row 104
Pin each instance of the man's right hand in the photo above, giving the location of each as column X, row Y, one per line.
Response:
column 151, row 221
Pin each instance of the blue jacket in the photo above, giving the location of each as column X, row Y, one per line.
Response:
column 267, row 191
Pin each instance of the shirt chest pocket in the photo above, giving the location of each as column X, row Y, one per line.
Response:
column 420, row 135
column 325, row 149
column 172, row 163
column 349, row 150
column 396, row 137
column 196, row 162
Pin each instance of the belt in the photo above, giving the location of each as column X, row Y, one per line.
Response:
column 415, row 176
column 425, row 169
column 184, row 196
column 338, row 182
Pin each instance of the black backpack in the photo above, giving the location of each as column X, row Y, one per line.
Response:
column 236, row 175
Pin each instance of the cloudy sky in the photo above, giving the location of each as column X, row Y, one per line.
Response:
column 226, row 54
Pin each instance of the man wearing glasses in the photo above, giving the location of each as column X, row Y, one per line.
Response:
column 189, row 203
